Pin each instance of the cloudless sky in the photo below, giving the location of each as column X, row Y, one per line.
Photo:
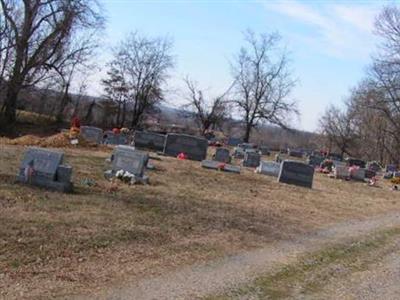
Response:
column 330, row 42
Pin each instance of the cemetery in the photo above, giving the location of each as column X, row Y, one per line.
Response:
column 102, row 201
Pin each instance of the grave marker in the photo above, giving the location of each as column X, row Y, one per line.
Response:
column 194, row 147
column 149, row 140
column 222, row 155
column 92, row 134
column 297, row 173
column 270, row 168
column 251, row 159
column 43, row 168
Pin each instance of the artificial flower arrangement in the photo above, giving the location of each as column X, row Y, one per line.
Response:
column 125, row 176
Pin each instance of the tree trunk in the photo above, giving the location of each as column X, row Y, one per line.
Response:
column 247, row 133
column 64, row 101
column 10, row 111
column 123, row 114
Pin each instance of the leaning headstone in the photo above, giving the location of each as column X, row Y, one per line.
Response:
column 216, row 165
column 44, row 168
column 270, row 168
column 195, row 148
column 149, row 140
column 222, row 155
column 92, row 134
column 251, row 159
column 297, row 173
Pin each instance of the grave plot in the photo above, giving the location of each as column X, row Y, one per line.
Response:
column 193, row 147
column 43, row 168
column 215, row 165
column 296, row 173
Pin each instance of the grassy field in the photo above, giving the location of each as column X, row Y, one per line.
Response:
column 53, row 244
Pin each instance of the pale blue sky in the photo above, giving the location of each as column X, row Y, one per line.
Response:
column 330, row 41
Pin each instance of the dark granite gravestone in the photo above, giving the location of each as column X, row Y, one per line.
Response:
column 47, row 170
column 315, row 160
column 216, row 165
column 149, row 140
column 222, row 155
column 270, row 168
column 92, row 134
column 194, row 147
column 297, row 173
column 251, row 159
column 295, row 153
column 356, row 162
column 232, row 141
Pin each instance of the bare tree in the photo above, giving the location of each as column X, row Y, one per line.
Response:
column 263, row 82
column 143, row 64
column 208, row 114
column 39, row 34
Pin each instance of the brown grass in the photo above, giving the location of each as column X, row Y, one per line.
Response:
column 53, row 244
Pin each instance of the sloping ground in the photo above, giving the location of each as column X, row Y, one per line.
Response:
column 234, row 271
column 53, row 244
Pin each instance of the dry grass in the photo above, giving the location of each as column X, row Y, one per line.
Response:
column 53, row 244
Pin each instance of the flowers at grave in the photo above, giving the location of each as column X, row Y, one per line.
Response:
column 124, row 176
column 182, row 156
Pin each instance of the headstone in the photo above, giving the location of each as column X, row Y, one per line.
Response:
column 374, row 166
column 341, row 172
column 391, row 168
column 194, row 147
column 109, row 138
column 358, row 174
column 222, row 155
column 251, row 159
column 264, row 150
column 315, row 160
column 232, row 141
column 295, row 153
column 149, row 140
column 356, row 162
column 129, row 159
column 216, row 165
column 43, row 168
column 92, row 134
column 297, row 173
column 270, row 168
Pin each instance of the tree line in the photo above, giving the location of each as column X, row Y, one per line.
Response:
column 53, row 43
column 368, row 123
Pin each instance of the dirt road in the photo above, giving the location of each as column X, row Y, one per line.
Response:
column 227, row 273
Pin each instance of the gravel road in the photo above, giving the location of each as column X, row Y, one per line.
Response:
column 226, row 273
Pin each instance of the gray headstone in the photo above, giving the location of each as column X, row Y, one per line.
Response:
column 270, row 168
column 215, row 165
column 297, row 173
column 129, row 159
column 232, row 141
column 341, row 172
column 92, row 134
column 264, row 150
column 149, row 140
column 295, row 153
column 47, row 170
column 358, row 174
column 194, row 147
column 251, row 159
column 222, row 155
column 45, row 161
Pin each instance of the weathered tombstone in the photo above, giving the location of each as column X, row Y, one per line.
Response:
column 315, row 160
column 341, row 172
column 358, row 174
column 216, row 165
column 129, row 159
column 374, row 166
column 43, row 168
column 270, row 168
column 194, row 147
column 222, row 155
column 110, row 138
column 297, row 173
column 92, row 134
column 391, row 168
column 251, row 159
column 356, row 162
column 149, row 140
